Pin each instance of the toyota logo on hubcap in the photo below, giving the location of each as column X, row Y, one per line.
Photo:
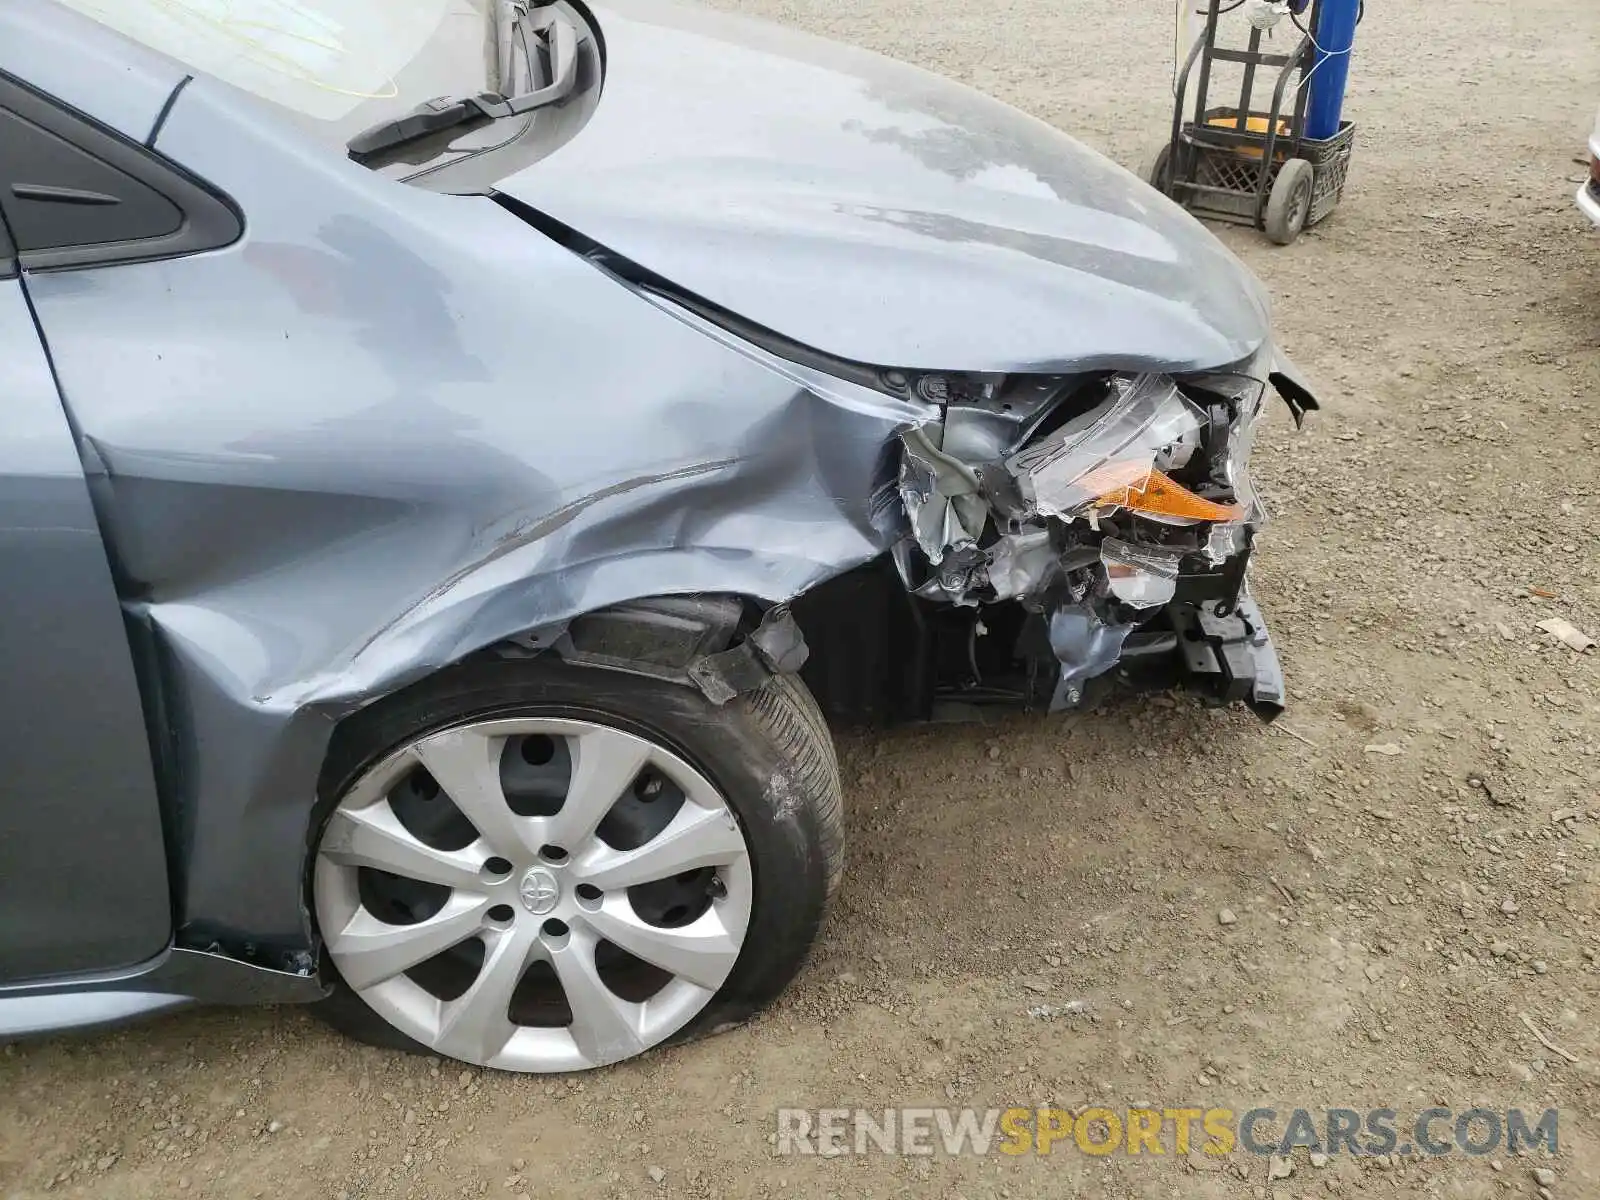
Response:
column 539, row 891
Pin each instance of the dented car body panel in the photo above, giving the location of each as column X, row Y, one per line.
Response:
column 436, row 446
column 387, row 429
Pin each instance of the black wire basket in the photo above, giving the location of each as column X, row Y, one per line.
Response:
column 1227, row 174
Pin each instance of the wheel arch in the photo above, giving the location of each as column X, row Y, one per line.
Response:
column 669, row 637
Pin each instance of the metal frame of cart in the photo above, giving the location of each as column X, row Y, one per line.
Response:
column 1246, row 166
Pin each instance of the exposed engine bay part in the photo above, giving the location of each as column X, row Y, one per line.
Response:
column 942, row 495
column 1116, row 511
column 1140, row 576
column 1020, row 563
column 705, row 642
column 1086, row 646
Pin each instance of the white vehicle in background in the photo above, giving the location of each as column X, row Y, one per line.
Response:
column 1589, row 192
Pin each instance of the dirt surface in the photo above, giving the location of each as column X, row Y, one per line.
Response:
column 1411, row 859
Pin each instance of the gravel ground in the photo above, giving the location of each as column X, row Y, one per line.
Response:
column 1409, row 860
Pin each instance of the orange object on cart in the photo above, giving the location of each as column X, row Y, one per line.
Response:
column 1251, row 125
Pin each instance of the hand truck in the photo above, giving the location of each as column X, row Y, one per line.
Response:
column 1249, row 166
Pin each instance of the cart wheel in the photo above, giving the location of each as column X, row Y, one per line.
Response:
column 1157, row 170
column 1290, row 201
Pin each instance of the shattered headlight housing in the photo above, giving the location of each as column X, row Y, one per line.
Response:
column 1119, row 455
column 1146, row 471
column 1090, row 519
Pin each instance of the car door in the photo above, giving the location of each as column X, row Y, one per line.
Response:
column 83, row 863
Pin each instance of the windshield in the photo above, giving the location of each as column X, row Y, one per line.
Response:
column 342, row 64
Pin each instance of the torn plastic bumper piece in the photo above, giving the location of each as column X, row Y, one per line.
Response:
column 1289, row 383
column 689, row 640
column 775, row 647
column 1230, row 658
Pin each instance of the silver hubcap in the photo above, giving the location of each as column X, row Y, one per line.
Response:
column 534, row 895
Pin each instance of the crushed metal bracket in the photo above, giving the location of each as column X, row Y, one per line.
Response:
column 1086, row 647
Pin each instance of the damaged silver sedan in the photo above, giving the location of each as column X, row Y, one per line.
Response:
column 461, row 454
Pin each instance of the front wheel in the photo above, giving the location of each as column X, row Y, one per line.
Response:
column 540, row 867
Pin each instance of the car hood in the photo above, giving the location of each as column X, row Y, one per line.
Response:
column 879, row 213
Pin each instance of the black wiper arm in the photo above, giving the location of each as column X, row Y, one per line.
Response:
column 448, row 112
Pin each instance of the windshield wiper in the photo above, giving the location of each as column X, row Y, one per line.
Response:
column 449, row 112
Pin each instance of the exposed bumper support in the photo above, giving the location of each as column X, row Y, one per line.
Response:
column 883, row 656
column 1231, row 658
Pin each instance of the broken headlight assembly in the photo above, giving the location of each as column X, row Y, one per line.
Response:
column 1105, row 511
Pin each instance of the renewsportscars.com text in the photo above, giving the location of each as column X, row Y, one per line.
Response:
column 1216, row 1131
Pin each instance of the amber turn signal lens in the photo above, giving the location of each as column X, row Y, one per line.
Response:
column 1159, row 496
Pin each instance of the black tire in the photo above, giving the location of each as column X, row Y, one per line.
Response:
column 769, row 752
column 1157, row 171
column 1289, row 202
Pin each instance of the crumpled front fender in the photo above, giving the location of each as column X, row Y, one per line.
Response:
column 255, row 716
